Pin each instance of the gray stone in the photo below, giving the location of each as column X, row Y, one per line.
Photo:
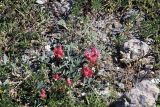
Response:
column 142, row 73
column 144, row 94
column 63, row 7
column 155, row 80
column 121, row 85
column 134, row 49
column 150, row 41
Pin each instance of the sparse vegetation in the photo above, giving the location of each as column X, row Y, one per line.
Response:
column 33, row 73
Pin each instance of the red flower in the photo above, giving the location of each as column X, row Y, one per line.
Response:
column 69, row 81
column 92, row 55
column 43, row 94
column 87, row 72
column 58, row 52
column 57, row 76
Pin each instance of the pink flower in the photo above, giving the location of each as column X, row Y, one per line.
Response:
column 58, row 52
column 87, row 72
column 69, row 81
column 92, row 55
column 57, row 76
column 43, row 94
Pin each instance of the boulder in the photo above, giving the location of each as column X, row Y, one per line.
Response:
column 144, row 94
column 133, row 50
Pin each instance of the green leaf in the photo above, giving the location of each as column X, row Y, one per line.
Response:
column 62, row 23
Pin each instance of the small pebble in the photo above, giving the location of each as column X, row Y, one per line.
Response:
column 47, row 48
column 41, row 1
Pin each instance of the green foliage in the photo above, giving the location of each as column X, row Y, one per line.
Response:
column 77, row 7
column 97, row 5
column 80, row 4
column 150, row 29
column 7, row 102
column 22, row 23
column 89, row 101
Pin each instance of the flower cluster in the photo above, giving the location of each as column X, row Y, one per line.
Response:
column 86, row 72
column 57, row 76
column 58, row 52
column 91, row 55
column 69, row 81
column 43, row 94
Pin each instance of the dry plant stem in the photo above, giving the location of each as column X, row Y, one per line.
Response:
column 23, row 80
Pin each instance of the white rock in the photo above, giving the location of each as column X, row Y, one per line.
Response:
column 41, row 1
column 83, row 94
column 118, row 68
column 47, row 48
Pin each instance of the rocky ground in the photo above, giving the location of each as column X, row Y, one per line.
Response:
column 126, row 73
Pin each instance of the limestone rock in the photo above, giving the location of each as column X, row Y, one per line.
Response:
column 144, row 94
column 134, row 49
